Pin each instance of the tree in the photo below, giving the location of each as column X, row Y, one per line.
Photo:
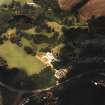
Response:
column 47, row 3
column 3, row 62
column 1, row 40
column 49, row 30
column 44, row 79
column 29, row 50
column 15, row 40
column 1, row 99
column 40, row 39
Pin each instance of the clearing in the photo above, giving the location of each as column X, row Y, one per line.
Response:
column 17, row 57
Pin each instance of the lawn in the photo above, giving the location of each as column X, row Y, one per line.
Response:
column 17, row 57
column 26, row 42
column 30, row 31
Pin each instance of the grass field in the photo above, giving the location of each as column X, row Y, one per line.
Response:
column 16, row 57
column 26, row 42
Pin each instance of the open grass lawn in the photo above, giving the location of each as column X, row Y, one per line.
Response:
column 30, row 31
column 42, row 46
column 17, row 57
column 26, row 42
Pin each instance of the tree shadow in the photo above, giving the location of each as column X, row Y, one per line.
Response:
column 80, row 91
column 7, row 77
column 21, row 22
column 7, row 96
column 86, row 53
column 12, row 76
column 97, row 24
column 18, row 79
column 76, row 8
column 85, row 47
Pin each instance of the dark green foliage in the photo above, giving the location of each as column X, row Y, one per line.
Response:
column 1, row 40
column 49, row 30
column 97, row 24
column 38, row 29
column 2, row 62
column 15, row 40
column 44, row 79
column 29, row 50
column 47, row 4
column 6, row 96
column 40, row 39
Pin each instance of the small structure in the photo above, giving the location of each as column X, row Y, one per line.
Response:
column 59, row 74
column 32, row 4
column 47, row 58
